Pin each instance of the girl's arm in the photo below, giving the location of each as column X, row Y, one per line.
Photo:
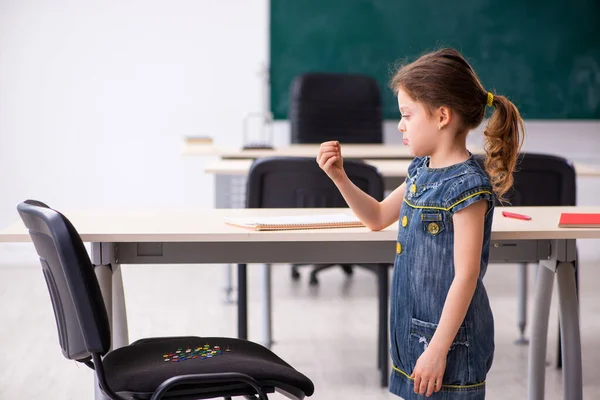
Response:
column 468, row 240
column 374, row 214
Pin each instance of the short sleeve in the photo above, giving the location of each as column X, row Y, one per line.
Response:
column 413, row 166
column 468, row 189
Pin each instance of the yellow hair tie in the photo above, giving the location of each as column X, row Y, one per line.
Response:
column 490, row 99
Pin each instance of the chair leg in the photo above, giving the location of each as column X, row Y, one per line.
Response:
column 347, row 269
column 295, row 273
column 522, row 304
column 313, row 274
column 318, row 268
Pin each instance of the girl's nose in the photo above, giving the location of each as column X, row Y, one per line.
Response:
column 401, row 127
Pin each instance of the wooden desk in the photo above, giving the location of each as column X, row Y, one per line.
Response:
column 201, row 236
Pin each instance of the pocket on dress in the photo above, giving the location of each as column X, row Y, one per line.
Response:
column 458, row 370
column 433, row 222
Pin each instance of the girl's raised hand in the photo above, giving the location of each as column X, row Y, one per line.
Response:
column 330, row 159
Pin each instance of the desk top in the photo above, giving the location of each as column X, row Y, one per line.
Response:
column 207, row 225
column 356, row 151
column 388, row 168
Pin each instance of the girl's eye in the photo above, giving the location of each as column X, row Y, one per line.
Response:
column 405, row 116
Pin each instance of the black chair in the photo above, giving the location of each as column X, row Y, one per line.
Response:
column 330, row 106
column 290, row 182
column 540, row 180
column 293, row 182
column 182, row 368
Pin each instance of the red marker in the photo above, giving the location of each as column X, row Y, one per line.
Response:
column 515, row 215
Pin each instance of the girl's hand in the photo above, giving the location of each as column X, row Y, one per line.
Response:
column 429, row 371
column 330, row 159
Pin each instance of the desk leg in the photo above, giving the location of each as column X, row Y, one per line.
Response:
column 569, row 327
column 522, row 303
column 383, row 286
column 105, row 281
column 120, row 335
column 559, row 343
column 230, row 192
column 222, row 200
column 242, row 302
column 267, row 304
column 539, row 329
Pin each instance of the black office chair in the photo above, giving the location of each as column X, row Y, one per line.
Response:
column 182, row 368
column 291, row 182
column 331, row 106
column 540, row 180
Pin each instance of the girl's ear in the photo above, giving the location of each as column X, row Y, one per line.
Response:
column 443, row 116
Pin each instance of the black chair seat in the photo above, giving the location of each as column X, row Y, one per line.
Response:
column 139, row 368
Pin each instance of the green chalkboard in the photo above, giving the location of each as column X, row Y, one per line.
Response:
column 543, row 55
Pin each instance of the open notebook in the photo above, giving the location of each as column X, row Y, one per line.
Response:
column 581, row 220
column 296, row 222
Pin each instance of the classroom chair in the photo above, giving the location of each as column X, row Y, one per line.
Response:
column 293, row 182
column 334, row 106
column 540, row 180
column 289, row 182
column 207, row 367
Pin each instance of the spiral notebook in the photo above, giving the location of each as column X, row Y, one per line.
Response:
column 291, row 222
column 581, row 220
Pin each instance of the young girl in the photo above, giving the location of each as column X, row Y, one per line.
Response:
column 442, row 329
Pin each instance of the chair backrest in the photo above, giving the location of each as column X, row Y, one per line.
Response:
column 292, row 182
column 542, row 180
column 79, row 309
column 327, row 106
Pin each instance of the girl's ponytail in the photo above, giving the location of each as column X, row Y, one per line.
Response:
column 503, row 140
column 445, row 78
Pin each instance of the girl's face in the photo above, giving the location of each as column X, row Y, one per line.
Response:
column 419, row 129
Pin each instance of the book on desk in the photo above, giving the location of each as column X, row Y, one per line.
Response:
column 293, row 222
column 579, row 220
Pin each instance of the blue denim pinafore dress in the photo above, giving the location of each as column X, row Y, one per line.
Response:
column 423, row 273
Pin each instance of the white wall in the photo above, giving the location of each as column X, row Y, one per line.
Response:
column 96, row 96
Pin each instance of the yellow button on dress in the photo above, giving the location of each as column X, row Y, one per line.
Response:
column 398, row 248
column 433, row 228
